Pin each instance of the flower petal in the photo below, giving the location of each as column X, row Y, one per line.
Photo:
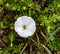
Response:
column 27, row 20
column 32, row 29
column 18, row 23
column 24, row 33
column 18, row 29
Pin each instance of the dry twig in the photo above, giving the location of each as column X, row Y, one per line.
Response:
column 3, row 43
column 23, row 48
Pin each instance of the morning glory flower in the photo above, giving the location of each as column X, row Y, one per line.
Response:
column 25, row 26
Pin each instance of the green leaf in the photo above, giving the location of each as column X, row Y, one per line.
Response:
column 18, row 48
column 51, row 36
column 12, row 26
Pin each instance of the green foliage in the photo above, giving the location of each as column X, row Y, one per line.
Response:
column 3, row 23
column 54, row 5
column 55, row 44
column 17, row 49
column 1, row 50
column 38, row 44
column 10, row 38
column 11, row 26
column 1, row 9
column 1, row 1
column 6, row 51
column 46, row 15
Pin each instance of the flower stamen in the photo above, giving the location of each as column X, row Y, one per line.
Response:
column 24, row 27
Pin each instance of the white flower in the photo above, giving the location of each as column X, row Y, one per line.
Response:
column 25, row 26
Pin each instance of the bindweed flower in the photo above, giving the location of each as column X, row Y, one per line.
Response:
column 25, row 26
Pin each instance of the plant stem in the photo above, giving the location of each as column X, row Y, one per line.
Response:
column 30, row 12
column 49, row 52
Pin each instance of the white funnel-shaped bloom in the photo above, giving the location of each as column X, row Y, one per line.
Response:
column 25, row 26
